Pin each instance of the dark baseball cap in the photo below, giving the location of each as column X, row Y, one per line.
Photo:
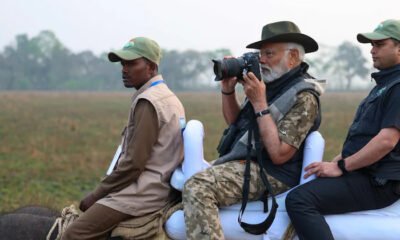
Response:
column 137, row 48
column 386, row 29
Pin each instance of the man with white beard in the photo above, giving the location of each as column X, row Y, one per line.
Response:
column 280, row 111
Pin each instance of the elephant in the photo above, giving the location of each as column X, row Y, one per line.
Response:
column 28, row 223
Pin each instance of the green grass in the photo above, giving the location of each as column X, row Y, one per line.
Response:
column 55, row 147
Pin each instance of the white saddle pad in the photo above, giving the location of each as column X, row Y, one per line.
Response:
column 382, row 224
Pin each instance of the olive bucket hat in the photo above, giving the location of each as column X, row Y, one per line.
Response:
column 386, row 29
column 137, row 48
column 285, row 31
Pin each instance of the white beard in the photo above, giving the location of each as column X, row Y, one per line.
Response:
column 270, row 74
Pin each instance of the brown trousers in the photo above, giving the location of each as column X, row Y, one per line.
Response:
column 94, row 224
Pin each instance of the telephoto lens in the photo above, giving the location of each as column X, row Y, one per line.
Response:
column 234, row 67
column 230, row 67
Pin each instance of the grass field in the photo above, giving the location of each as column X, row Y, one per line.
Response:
column 55, row 147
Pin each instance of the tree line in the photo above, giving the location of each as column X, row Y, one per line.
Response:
column 44, row 63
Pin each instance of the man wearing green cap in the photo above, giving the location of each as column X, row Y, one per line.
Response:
column 281, row 52
column 151, row 148
column 366, row 174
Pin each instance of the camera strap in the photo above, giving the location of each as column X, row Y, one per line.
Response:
column 262, row 227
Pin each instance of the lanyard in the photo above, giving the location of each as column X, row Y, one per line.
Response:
column 156, row 83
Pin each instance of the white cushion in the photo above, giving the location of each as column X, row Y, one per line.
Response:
column 383, row 224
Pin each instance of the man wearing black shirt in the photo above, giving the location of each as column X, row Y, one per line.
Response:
column 366, row 174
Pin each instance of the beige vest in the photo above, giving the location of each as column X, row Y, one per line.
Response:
column 150, row 192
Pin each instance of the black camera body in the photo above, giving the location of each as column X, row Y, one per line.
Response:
column 236, row 67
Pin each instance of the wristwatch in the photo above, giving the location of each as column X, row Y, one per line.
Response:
column 342, row 165
column 263, row 112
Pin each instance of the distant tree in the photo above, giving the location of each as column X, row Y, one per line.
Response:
column 30, row 61
column 348, row 62
column 17, row 62
column 319, row 62
column 220, row 53
column 5, row 74
column 52, row 59
column 189, row 69
column 44, row 63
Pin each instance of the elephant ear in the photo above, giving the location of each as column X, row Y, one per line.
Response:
column 24, row 226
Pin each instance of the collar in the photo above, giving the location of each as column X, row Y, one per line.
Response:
column 383, row 76
column 147, row 85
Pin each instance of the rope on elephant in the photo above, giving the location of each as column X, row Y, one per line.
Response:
column 289, row 233
column 68, row 215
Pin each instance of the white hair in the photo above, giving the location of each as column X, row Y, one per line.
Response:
column 300, row 49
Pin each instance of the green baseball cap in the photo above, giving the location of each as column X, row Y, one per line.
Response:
column 137, row 48
column 386, row 29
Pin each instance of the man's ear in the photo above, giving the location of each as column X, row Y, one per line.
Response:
column 398, row 49
column 152, row 68
column 294, row 56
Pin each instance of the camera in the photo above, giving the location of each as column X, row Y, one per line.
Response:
column 236, row 67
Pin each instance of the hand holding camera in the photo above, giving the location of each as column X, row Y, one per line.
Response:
column 245, row 69
column 254, row 90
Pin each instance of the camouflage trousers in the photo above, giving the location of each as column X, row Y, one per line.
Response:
column 219, row 186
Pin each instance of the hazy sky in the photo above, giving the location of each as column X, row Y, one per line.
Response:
column 101, row 25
